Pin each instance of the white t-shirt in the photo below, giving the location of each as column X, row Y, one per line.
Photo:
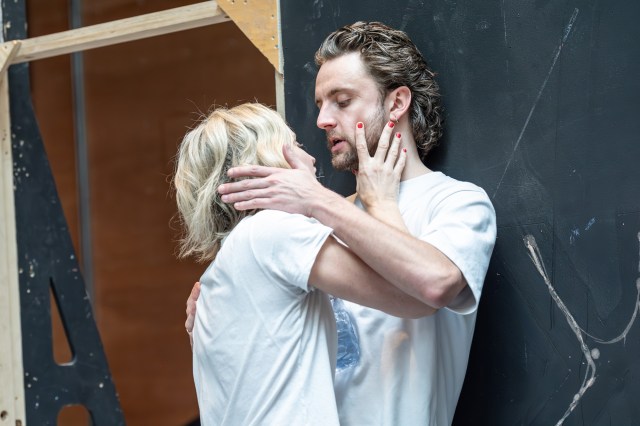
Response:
column 411, row 371
column 264, row 341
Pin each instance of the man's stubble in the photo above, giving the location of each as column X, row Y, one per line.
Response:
column 373, row 126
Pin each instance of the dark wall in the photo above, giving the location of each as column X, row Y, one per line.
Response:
column 542, row 102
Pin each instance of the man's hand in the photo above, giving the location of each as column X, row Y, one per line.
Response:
column 191, row 310
column 378, row 177
column 292, row 190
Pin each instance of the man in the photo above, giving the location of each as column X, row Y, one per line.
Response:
column 433, row 244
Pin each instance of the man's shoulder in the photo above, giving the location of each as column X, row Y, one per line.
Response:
column 452, row 184
column 439, row 193
column 439, row 185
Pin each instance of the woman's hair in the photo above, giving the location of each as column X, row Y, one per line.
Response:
column 393, row 60
column 250, row 133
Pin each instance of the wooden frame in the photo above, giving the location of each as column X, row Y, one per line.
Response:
column 258, row 19
column 11, row 373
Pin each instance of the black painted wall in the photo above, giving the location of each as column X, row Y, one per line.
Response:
column 543, row 107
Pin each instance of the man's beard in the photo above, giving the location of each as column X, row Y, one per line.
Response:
column 347, row 160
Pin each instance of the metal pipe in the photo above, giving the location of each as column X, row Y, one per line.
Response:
column 82, row 155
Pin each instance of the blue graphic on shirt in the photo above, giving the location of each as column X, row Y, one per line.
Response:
column 348, row 342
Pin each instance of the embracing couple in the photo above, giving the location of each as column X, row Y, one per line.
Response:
column 408, row 255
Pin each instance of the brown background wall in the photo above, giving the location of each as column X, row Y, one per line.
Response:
column 140, row 99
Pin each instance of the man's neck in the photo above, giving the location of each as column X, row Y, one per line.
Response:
column 414, row 166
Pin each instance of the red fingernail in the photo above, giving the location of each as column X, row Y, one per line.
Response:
column 360, row 125
column 391, row 124
column 398, row 135
column 404, row 149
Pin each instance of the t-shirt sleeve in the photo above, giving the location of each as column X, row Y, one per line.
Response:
column 463, row 227
column 286, row 246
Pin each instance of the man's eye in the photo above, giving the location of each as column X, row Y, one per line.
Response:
column 344, row 104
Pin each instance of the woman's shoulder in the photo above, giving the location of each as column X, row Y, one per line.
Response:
column 270, row 223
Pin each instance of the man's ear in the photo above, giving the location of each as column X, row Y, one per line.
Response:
column 399, row 100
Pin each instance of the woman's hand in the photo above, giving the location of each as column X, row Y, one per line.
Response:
column 378, row 177
column 191, row 310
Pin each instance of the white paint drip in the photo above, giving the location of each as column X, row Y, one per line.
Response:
column 567, row 31
column 589, row 354
column 623, row 335
column 590, row 373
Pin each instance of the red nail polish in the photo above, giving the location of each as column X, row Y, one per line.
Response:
column 360, row 125
column 404, row 149
column 391, row 124
column 398, row 135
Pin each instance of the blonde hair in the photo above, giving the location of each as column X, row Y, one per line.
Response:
column 250, row 133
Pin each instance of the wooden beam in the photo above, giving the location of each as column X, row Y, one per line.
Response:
column 7, row 52
column 280, row 104
column 120, row 31
column 12, row 409
column 259, row 21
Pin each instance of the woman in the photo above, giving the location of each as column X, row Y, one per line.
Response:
column 264, row 341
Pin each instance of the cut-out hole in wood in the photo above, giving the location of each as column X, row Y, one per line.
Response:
column 74, row 415
column 62, row 351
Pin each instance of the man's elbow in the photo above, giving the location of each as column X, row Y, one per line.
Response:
column 439, row 291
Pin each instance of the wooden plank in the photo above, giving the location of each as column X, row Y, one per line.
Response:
column 259, row 21
column 12, row 409
column 280, row 105
column 120, row 31
column 7, row 52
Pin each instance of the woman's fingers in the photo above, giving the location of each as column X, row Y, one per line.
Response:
column 388, row 145
column 383, row 142
column 392, row 155
column 399, row 166
column 361, row 144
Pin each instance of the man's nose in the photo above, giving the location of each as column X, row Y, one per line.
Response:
column 325, row 120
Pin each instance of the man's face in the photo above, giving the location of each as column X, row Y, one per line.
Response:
column 345, row 95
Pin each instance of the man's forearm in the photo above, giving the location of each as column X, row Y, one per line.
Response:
column 412, row 265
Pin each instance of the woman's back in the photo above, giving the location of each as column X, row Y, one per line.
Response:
column 264, row 342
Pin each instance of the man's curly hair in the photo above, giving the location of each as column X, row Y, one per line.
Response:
column 393, row 60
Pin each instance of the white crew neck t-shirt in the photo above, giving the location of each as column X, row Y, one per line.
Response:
column 264, row 341
column 411, row 370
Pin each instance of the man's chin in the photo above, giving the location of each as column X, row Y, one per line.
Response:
column 344, row 164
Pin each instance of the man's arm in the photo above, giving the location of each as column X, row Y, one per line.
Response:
column 339, row 272
column 414, row 266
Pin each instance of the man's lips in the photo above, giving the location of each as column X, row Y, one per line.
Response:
column 337, row 145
